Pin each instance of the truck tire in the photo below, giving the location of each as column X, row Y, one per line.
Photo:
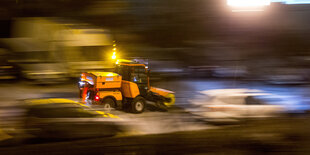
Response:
column 108, row 104
column 138, row 105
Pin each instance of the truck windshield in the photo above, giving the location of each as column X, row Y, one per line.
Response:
column 138, row 75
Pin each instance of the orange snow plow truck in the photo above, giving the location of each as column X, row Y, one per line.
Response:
column 128, row 87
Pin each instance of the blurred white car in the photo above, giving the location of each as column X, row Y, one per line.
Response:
column 233, row 104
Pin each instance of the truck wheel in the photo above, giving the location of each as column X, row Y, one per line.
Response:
column 138, row 105
column 108, row 104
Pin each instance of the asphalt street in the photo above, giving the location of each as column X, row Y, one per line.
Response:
column 175, row 131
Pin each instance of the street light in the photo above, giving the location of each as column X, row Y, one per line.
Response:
column 114, row 56
column 247, row 5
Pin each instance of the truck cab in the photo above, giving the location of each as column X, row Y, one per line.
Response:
column 136, row 73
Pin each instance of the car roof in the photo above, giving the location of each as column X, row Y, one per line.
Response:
column 61, row 101
column 234, row 92
column 47, row 101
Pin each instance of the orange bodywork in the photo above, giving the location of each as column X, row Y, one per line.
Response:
column 103, row 83
column 130, row 89
column 102, row 79
column 116, row 94
column 162, row 92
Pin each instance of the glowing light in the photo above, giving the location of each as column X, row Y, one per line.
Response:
column 110, row 74
column 114, row 55
column 116, row 62
column 247, row 3
column 97, row 98
column 114, row 49
column 247, row 10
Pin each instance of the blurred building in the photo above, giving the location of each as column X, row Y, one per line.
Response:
column 75, row 46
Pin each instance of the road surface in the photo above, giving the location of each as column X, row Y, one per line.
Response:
column 175, row 131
